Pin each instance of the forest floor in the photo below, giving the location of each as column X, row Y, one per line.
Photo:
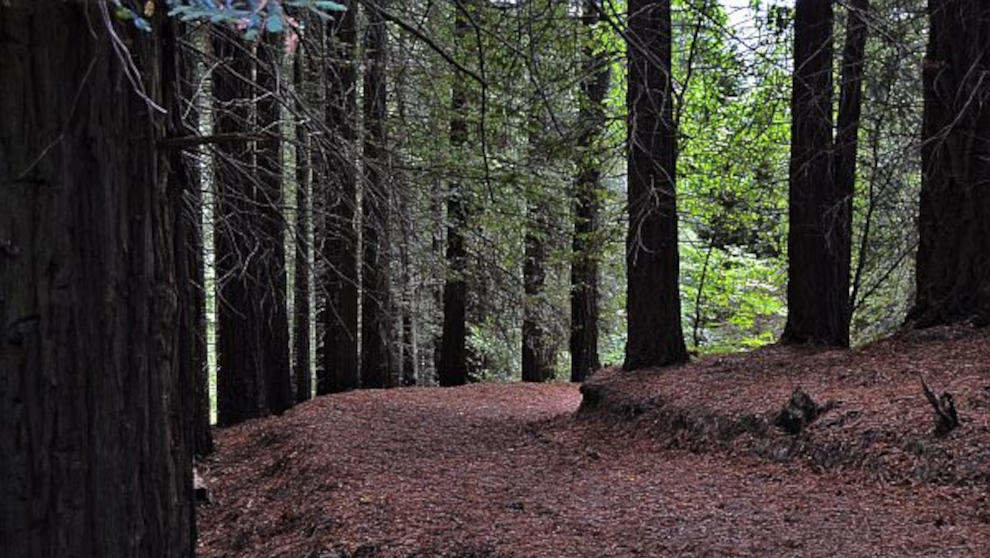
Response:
column 681, row 462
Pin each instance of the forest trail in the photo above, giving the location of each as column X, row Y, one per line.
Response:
column 508, row 471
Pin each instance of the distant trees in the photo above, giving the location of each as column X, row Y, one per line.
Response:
column 653, row 304
column 953, row 261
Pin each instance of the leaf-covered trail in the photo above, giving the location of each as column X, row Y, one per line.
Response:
column 506, row 470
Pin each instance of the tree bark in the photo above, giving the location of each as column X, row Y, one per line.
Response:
column 953, row 262
column 585, row 246
column 653, row 303
column 94, row 458
column 274, row 297
column 818, row 238
column 377, row 339
column 186, row 201
column 452, row 361
column 338, row 370
column 538, row 353
column 242, row 392
column 847, row 134
column 300, row 309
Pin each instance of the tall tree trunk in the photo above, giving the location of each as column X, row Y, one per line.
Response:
column 302, row 267
column 953, row 263
column 818, row 236
column 847, row 134
column 538, row 353
column 186, row 199
column 585, row 246
column 653, row 304
column 94, row 459
column 274, row 299
column 377, row 362
column 452, row 361
column 241, row 382
column 338, row 369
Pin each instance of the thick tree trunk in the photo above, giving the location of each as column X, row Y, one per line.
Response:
column 186, row 201
column 300, row 309
column 452, row 360
column 338, row 369
column 818, row 237
column 377, row 361
column 953, row 264
column 653, row 303
column 274, row 300
column 94, row 458
column 241, row 382
column 585, row 245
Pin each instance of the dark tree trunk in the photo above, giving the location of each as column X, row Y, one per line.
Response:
column 538, row 353
column 186, row 199
column 585, row 245
column 377, row 362
column 94, row 458
column 452, row 360
column 818, row 237
column 274, row 299
column 300, row 308
column 953, row 264
column 847, row 134
column 338, row 370
column 241, row 381
column 653, row 301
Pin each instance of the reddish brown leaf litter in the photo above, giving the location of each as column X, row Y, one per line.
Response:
column 509, row 471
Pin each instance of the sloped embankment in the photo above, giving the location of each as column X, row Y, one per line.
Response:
column 874, row 415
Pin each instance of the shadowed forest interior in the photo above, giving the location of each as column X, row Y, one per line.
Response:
column 650, row 277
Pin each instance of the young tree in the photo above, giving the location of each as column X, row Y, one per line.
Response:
column 338, row 369
column 953, row 261
column 588, row 190
column 818, row 237
column 452, row 362
column 377, row 339
column 94, row 457
column 652, row 300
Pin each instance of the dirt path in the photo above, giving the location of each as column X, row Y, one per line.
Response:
column 504, row 470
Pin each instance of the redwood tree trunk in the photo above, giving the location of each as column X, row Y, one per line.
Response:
column 94, row 459
column 653, row 303
column 847, row 134
column 953, row 273
column 241, row 382
column 452, row 360
column 300, row 309
column 819, row 231
column 377, row 362
column 585, row 247
column 186, row 199
column 274, row 299
column 338, row 367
